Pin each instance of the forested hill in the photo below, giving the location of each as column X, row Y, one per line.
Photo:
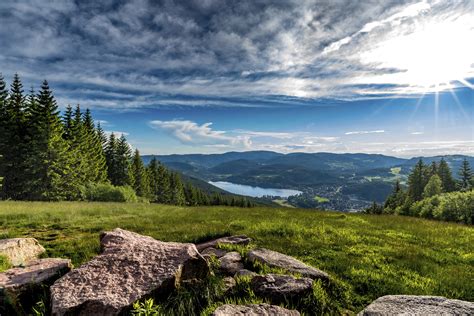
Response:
column 348, row 181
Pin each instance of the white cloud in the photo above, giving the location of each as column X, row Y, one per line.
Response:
column 365, row 132
column 190, row 132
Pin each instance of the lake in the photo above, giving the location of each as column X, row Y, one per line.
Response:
column 253, row 191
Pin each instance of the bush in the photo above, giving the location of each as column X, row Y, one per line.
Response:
column 104, row 192
column 453, row 207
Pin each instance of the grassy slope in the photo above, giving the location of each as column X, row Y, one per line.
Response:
column 374, row 255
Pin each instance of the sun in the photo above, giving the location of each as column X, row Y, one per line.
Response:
column 433, row 57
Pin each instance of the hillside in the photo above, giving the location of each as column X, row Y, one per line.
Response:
column 370, row 255
column 346, row 182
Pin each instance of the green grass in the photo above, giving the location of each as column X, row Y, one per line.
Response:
column 370, row 256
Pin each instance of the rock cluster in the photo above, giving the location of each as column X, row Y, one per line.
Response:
column 134, row 267
column 24, row 283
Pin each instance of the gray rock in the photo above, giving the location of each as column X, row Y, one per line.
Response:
column 19, row 286
column 281, row 288
column 245, row 272
column 130, row 267
column 232, row 240
column 254, row 310
column 278, row 260
column 231, row 263
column 211, row 251
column 20, row 250
column 417, row 305
column 229, row 284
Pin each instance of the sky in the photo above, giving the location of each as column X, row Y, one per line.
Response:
column 211, row 76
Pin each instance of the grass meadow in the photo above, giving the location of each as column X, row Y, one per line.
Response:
column 371, row 255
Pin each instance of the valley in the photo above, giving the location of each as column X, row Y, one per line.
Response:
column 342, row 182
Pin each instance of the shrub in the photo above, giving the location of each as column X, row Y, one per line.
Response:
column 104, row 192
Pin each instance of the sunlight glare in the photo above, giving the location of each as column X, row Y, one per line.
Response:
column 430, row 58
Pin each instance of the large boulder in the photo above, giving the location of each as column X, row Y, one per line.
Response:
column 417, row 305
column 254, row 310
column 20, row 288
column 231, row 263
column 281, row 288
column 231, row 240
column 20, row 250
column 278, row 260
column 130, row 267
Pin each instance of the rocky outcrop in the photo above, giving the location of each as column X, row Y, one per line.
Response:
column 19, row 286
column 228, row 284
column 129, row 268
column 278, row 260
column 231, row 240
column 254, row 310
column 281, row 288
column 231, row 263
column 20, row 250
column 417, row 305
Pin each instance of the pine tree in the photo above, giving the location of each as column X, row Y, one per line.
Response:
column 177, row 190
column 49, row 159
column 444, row 172
column 96, row 165
column 164, row 193
column 153, row 183
column 433, row 187
column 3, row 120
column 416, row 182
column 122, row 160
column 68, row 123
column 14, row 145
column 102, row 136
column 139, row 176
column 465, row 174
column 111, row 159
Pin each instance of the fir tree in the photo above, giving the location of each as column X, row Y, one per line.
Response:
column 465, row 174
column 96, row 164
column 139, row 176
column 15, row 146
column 416, row 182
column 122, row 160
column 111, row 159
column 163, row 183
column 153, row 176
column 177, row 190
column 447, row 181
column 68, row 123
column 49, row 159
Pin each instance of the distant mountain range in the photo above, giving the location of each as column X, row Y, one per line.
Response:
column 349, row 181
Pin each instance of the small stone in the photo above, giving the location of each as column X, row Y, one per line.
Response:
column 281, row 288
column 417, row 305
column 232, row 240
column 275, row 259
column 229, row 284
column 20, row 250
column 245, row 272
column 231, row 263
column 254, row 310
column 208, row 252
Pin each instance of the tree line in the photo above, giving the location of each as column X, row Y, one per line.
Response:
column 433, row 192
column 49, row 156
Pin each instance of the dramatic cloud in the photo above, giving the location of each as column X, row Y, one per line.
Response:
column 189, row 132
column 140, row 53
